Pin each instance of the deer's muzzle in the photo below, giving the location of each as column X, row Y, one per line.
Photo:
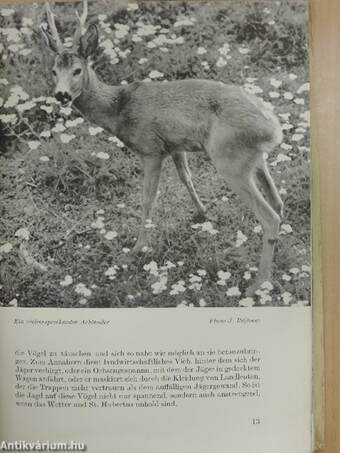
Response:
column 63, row 97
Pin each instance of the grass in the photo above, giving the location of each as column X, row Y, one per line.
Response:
column 57, row 191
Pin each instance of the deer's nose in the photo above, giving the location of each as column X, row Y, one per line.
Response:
column 63, row 97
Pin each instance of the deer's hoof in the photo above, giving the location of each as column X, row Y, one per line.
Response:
column 259, row 285
column 136, row 249
column 200, row 216
column 251, row 290
column 140, row 247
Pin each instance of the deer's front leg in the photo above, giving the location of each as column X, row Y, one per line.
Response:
column 152, row 171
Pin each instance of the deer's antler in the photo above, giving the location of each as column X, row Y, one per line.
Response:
column 52, row 26
column 83, row 17
column 81, row 23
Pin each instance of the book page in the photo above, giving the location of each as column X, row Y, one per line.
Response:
column 155, row 243
column 189, row 380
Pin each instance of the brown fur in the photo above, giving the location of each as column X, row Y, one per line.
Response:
column 158, row 119
column 179, row 116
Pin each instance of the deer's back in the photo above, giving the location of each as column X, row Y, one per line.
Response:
column 182, row 115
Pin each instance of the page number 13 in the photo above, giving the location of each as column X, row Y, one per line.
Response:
column 256, row 421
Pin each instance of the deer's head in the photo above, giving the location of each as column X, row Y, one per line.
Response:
column 70, row 69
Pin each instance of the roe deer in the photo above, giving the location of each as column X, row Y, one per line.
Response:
column 159, row 119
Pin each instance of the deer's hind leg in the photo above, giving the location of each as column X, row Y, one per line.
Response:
column 267, row 184
column 238, row 168
column 181, row 162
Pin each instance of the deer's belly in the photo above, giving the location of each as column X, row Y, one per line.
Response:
column 165, row 138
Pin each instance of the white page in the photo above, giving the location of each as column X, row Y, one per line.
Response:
column 283, row 407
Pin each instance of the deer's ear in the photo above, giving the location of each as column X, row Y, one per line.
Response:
column 49, row 39
column 89, row 41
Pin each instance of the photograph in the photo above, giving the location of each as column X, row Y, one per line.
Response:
column 155, row 154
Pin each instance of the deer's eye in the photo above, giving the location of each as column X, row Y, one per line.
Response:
column 54, row 73
column 77, row 71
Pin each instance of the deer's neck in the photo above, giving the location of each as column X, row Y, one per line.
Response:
column 98, row 102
